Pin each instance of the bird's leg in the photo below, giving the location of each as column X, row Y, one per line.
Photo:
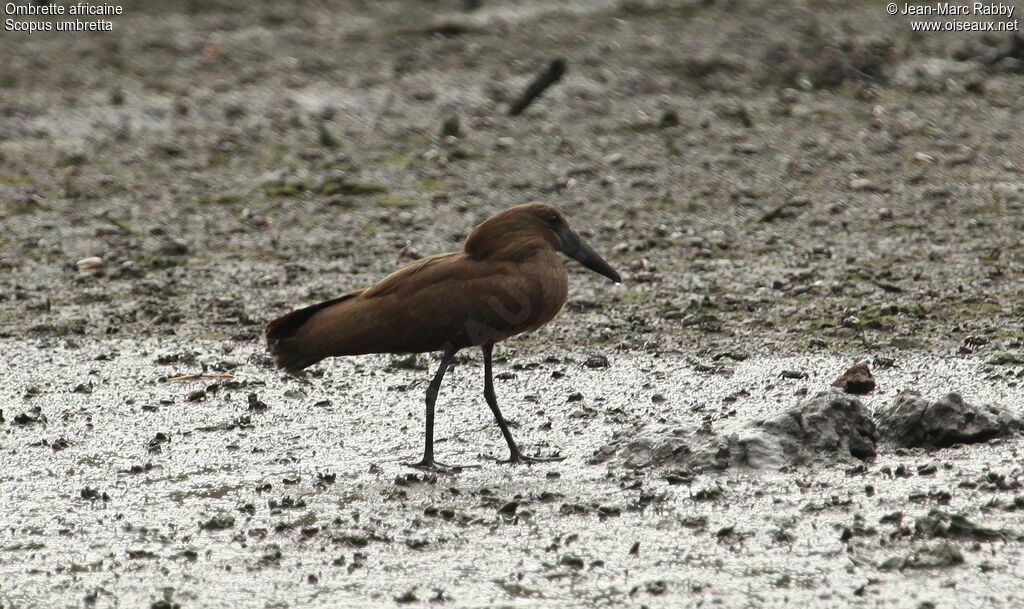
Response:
column 428, row 461
column 515, row 456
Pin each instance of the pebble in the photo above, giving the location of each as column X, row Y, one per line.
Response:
column 913, row 420
column 93, row 262
column 173, row 247
column 614, row 158
column 862, row 184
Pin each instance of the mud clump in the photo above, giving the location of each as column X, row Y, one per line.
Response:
column 942, row 555
column 828, row 426
column 956, row 526
column 31, row 417
column 680, row 448
column 219, row 522
column 913, row 421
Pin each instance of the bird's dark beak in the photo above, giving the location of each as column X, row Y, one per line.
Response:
column 576, row 248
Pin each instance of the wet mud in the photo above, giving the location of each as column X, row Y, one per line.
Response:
column 125, row 487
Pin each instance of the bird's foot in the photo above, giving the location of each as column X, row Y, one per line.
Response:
column 431, row 465
column 518, row 457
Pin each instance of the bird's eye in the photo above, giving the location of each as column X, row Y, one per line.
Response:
column 551, row 219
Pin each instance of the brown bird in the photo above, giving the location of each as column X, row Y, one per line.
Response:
column 508, row 279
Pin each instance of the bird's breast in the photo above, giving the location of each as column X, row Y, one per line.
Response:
column 549, row 285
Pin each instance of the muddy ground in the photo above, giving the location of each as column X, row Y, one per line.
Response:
column 784, row 187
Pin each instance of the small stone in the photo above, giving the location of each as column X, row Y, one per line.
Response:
column 255, row 404
column 669, row 119
column 452, row 127
column 614, row 158
column 235, row 111
column 158, row 440
column 173, row 247
column 218, row 523
column 857, row 380
column 656, row 588
column 86, row 264
column 34, row 415
column 597, row 361
column 863, row 184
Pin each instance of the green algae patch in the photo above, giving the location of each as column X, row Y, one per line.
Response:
column 352, row 189
column 285, row 189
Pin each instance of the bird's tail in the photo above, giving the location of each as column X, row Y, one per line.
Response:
column 289, row 351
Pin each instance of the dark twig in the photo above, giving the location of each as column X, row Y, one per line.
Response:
column 205, row 375
column 544, row 80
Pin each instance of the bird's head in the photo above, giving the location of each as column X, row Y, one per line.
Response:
column 519, row 229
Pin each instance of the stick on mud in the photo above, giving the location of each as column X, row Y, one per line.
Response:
column 544, row 80
column 205, row 375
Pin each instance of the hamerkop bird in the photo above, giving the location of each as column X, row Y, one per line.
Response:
column 508, row 279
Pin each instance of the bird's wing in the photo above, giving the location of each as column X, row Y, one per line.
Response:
column 442, row 301
column 426, row 271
